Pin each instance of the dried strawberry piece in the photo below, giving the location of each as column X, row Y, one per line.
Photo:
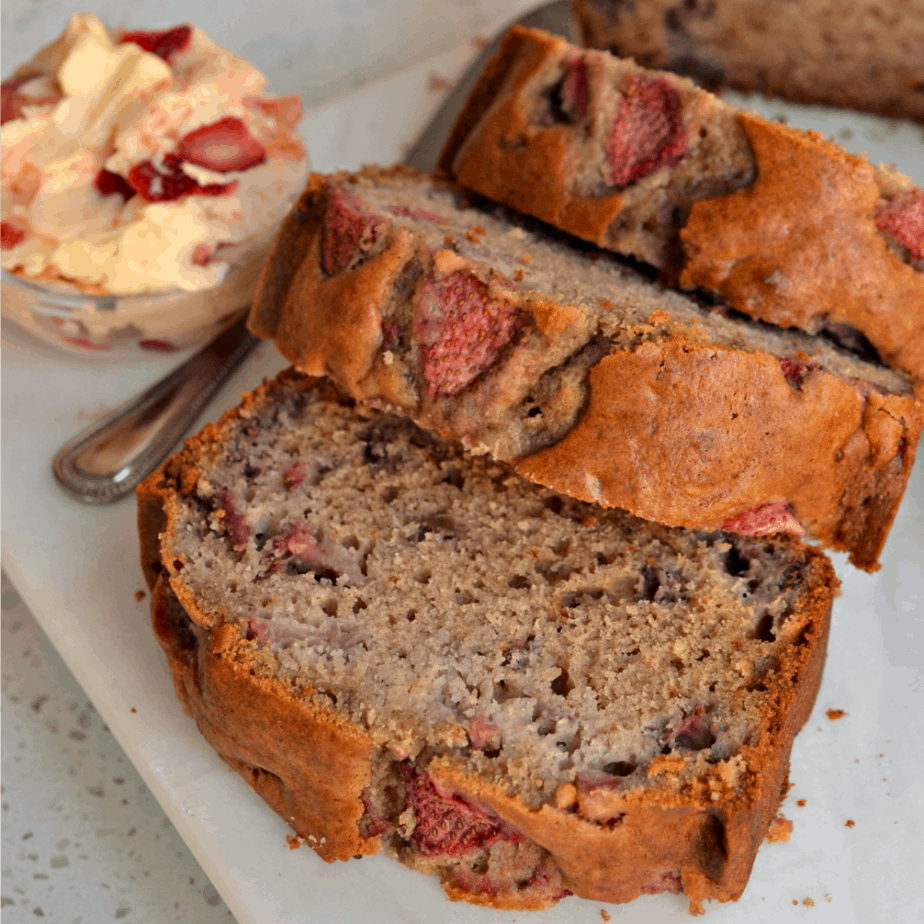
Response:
column 666, row 882
column 765, row 520
column 107, row 183
column 448, row 825
column 575, row 90
column 155, row 185
column 349, row 227
column 648, row 131
column 405, row 211
column 10, row 100
column 461, row 330
column 902, row 219
column 795, row 371
column 240, row 528
column 166, row 45
column 224, row 146
column 10, row 235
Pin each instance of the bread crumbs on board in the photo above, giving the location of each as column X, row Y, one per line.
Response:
column 801, row 803
column 849, row 823
column 294, row 841
column 140, row 595
column 835, row 714
column 604, row 914
column 808, row 902
column 780, row 830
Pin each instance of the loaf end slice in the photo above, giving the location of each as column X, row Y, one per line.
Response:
column 402, row 648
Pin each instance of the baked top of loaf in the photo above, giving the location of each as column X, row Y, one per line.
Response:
column 785, row 226
column 404, row 647
column 837, row 52
column 581, row 372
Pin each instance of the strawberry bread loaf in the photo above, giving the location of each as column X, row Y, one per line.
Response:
column 867, row 55
column 402, row 648
column 580, row 372
column 783, row 225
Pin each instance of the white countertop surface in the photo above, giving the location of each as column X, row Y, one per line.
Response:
column 99, row 786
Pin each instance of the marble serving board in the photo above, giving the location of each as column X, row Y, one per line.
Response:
column 77, row 568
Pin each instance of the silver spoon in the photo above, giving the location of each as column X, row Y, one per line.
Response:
column 106, row 462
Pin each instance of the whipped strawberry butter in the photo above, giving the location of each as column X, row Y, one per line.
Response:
column 142, row 162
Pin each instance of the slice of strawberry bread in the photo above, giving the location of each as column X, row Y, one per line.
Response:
column 866, row 55
column 583, row 374
column 405, row 649
column 783, row 225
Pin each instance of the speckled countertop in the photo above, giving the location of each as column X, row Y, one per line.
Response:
column 83, row 839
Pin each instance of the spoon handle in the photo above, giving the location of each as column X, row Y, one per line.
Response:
column 107, row 461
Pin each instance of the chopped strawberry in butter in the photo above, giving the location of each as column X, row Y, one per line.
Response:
column 127, row 155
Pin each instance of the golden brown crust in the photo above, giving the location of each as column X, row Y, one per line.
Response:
column 514, row 162
column 688, row 434
column 779, row 259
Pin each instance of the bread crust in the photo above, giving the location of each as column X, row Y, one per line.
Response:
column 797, row 247
column 826, row 53
column 679, row 430
column 311, row 765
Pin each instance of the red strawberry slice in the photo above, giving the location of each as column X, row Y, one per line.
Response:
column 448, row 825
column 11, row 101
column 10, row 235
column 223, row 146
column 648, row 131
column 575, row 89
column 161, row 346
column 765, row 520
column 154, row 185
column 350, row 227
column 107, row 183
column 166, row 45
column 461, row 330
column 903, row 220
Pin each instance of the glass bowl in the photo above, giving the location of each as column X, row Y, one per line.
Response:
column 119, row 327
